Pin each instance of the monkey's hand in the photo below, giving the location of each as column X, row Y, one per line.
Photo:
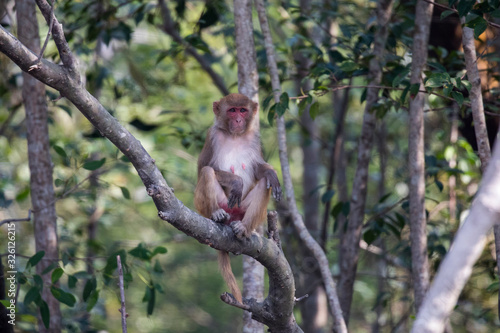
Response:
column 220, row 216
column 235, row 193
column 240, row 230
column 272, row 181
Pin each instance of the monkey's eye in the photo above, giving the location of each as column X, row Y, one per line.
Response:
column 231, row 110
column 243, row 110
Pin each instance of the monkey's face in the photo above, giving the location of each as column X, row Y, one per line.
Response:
column 237, row 119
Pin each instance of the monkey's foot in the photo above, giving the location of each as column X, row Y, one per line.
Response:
column 220, row 216
column 240, row 230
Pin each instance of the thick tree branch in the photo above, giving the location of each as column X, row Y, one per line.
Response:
column 170, row 29
column 276, row 310
column 349, row 247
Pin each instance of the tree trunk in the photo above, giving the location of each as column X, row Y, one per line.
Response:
column 308, row 240
column 477, row 107
column 314, row 319
column 349, row 248
column 40, row 163
column 248, row 84
column 418, row 223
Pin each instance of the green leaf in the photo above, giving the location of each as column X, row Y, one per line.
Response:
column 467, row 84
column 56, row 274
column 436, row 80
column 336, row 209
column 90, row 286
column 63, row 297
column 60, row 151
column 125, row 192
column 141, row 252
column 348, row 66
column 94, row 297
column 465, row 6
column 94, row 165
column 159, row 250
column 446, row 13
column 458, row 97
column 302, row 106
column 327, row 196
column 439, row 185
column 66, row 109
column 271, row 114
column 149, row 296
column 33, row 295
column 284, row 100
column 37, row 279
column 314, row 110
column 400, row 77
column 280, row 109
column 414, row 88
column 266, row 102
column 480, row 27
column 45, row 313
column 72, row 280
column 35, row 259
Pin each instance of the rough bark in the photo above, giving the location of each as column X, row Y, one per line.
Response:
column 416, row 160
column 452, row 180
column 169, row 28
column 476, row 101
column 305, row 236
column 467, row 246
column 40, row 163
column 248, row 85
column 349, row 248
column 276, row 310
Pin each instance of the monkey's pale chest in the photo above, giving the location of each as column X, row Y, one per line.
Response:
column 238, row 161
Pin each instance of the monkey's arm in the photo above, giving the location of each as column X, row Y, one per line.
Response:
column 233, row 185
column 264, row 170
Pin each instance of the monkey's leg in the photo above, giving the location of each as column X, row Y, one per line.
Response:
column 208, row 194
column 255, row 205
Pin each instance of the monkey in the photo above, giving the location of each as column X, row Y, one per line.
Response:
column 234, row 182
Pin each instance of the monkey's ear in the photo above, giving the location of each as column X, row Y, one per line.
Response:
column 255, row 106
column 216, row 108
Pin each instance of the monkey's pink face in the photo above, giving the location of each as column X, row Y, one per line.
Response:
column 237, row 118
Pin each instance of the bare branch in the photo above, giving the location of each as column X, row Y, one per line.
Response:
column 304, row 234
column 27, row 219
column 122, row 310
column 65, row 53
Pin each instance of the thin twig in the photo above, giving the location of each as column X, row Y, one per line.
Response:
column 122, row 295
column 27, row 219
column 51, row 23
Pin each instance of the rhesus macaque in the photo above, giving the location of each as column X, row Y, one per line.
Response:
column 234, row 181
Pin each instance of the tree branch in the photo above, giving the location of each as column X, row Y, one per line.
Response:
column 65, row 53
column 304, row 234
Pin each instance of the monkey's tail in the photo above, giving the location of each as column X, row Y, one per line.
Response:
column 228, row 276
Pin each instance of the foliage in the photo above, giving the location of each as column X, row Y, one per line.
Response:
column 148, row 82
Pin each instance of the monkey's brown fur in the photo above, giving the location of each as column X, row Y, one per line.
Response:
column 234, row 182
